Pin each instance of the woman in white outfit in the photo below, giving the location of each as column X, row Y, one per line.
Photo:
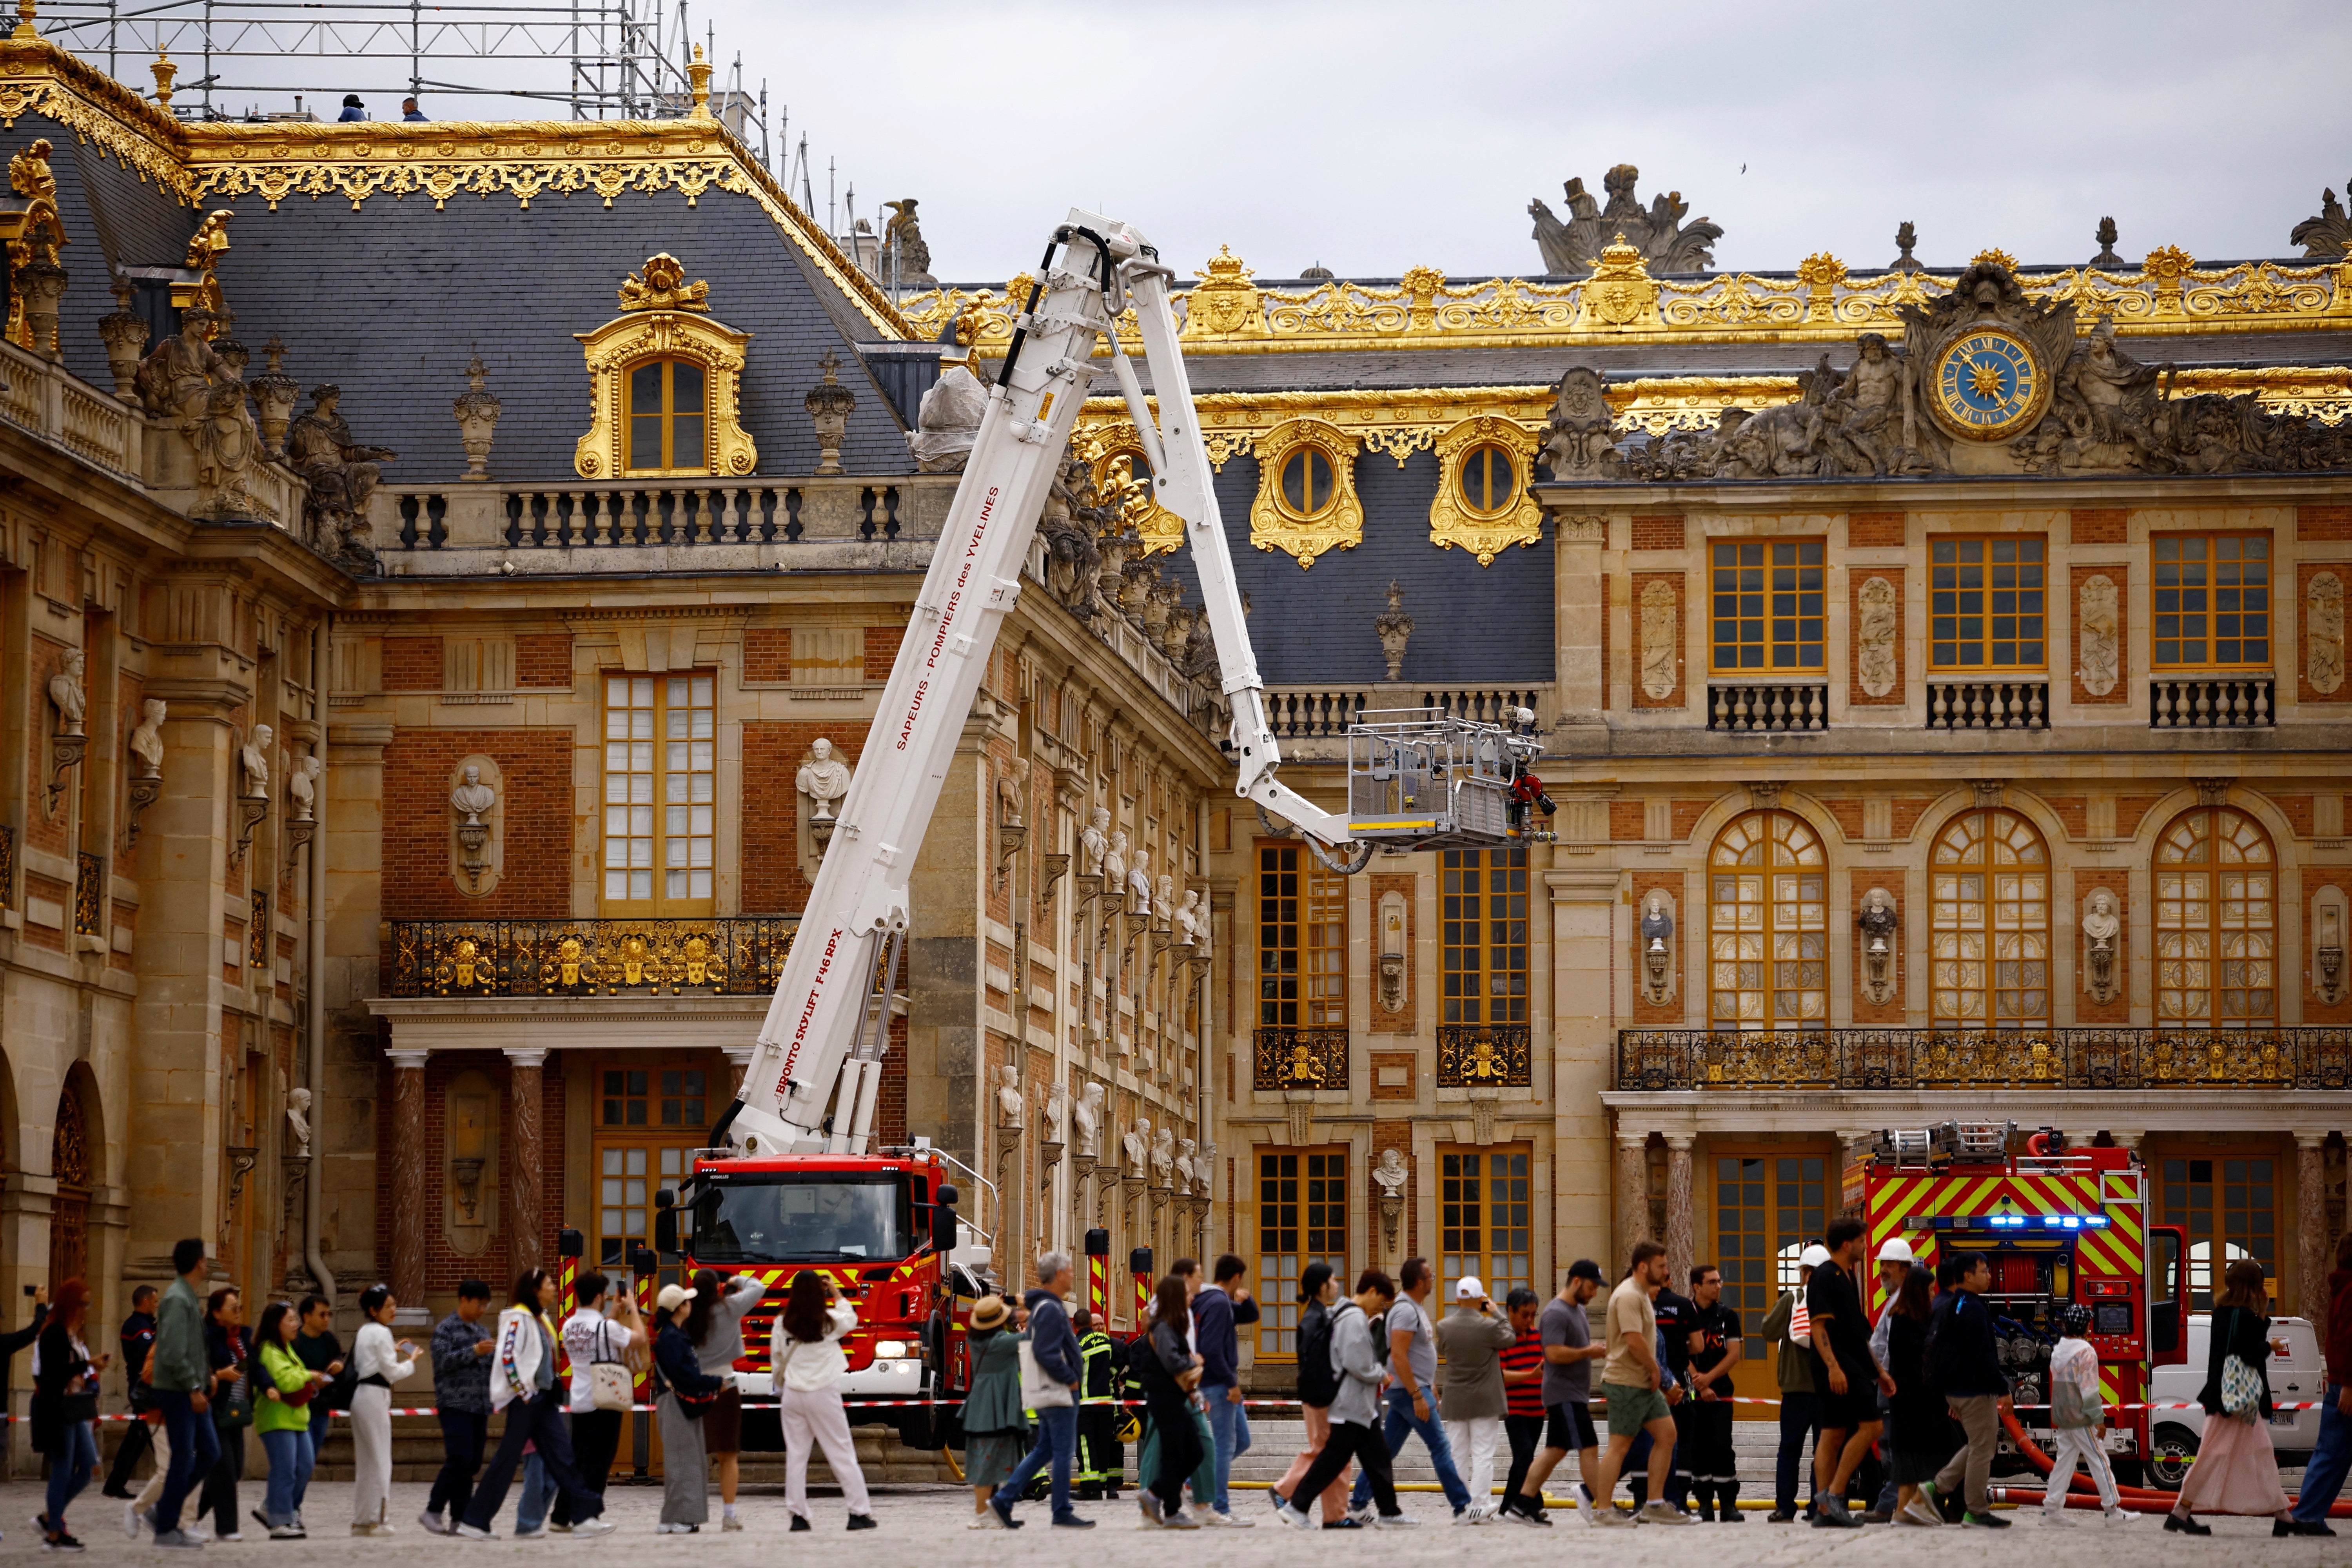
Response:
column 378, row 1363
column 806, row 1351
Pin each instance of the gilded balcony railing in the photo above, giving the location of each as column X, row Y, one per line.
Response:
column 1868, row 1059
column 1299, row 1059
column 1484, row 1056
column 737, row 955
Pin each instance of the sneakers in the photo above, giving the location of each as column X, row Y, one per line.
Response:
column 60, row 1541
column 1984, row 1522
column 287, row 1533
column 1072, row 1522
column 1292, row 1517
column 1149, row 1503
column 1003, row 1512
column 1362, row 1514
column 433, row 1523
column 1921, row 1512
column 599, row 1525
column 1658, row 1510
column 536, row 1532
column 178, row 1540
column 463, row 1531
column 730, row 1521
column 2117, row 1518
column 2055, row 1519
column 356, row 1529
column 1179, row 1519
column 1528, row 1510
column 1227, row 1521
column 1604, row 1516
column 1834, row 1515
column 135, row 1524
column 1395, row 1522
column 857, row 1521
column 665, row 1528
column 1781, row 1516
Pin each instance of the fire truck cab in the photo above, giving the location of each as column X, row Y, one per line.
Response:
column 2058, row 1225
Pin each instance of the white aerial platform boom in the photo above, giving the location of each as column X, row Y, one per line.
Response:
column 1421, row 780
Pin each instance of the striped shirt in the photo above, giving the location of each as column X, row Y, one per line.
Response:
column 1524, row 1355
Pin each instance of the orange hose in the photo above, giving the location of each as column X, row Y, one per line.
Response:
column 2140, row 1499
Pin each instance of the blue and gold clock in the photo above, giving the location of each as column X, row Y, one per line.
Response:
column 1988, row 385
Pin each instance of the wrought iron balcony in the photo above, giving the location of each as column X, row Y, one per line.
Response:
column 1868, row 1059
column 1484, row 1056
column 738, row 956
column 1299, row 1059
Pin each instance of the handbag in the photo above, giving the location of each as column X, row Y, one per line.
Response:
column 234, row 1411
column 2241, row 1389
column 610, row 1386
column 73, row 1408
column 1039, row 1392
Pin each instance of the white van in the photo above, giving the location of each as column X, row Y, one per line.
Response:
column 2301, row 1374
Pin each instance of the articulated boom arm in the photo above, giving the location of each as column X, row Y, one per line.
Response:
column 821, row 1045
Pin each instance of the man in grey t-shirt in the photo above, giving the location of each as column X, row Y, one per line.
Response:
column 1569, row 1355
column 1412, row 1384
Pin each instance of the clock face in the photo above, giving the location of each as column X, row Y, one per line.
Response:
column 1988, row 385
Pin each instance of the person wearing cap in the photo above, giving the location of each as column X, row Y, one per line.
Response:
column 1471, row 1338
column 1789, row 1328
column 523, row 1383
column 1569, row 1352
column 1412, row 1377
column 353, row 110
column 995, row 1432
column 684, row 1392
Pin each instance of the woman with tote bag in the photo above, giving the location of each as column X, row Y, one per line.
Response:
column 2236, row 1470
column 686, row 1393
column 806, row 1351
column 996, row 1431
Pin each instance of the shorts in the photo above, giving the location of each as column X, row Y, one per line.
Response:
column 1570, row 1426
column 1630, row 1409
column 1856, row 1408
column 723, row 1424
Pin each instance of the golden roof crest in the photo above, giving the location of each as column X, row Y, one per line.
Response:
column 662, row 285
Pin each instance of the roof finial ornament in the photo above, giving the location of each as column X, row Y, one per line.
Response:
column 1905, row 236
column 26, row 10
column 2106, row 238
column 698, row 74
column 164, row 71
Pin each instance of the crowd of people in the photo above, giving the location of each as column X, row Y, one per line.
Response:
column 1904, row 1412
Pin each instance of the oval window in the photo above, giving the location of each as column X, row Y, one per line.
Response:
column 1308, row 485
column 1490, row 478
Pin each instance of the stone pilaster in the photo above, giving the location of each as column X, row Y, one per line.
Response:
column 409, row 1227
column 2310, row 1224
column 1679, row 1242
column 1633, row 1199
column 1583, row 912
column 1578, row 541
column 526, row 1155
column 346, row 1162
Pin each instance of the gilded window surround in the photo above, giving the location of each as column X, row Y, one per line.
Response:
column 1819, row 300
column 662, row 317
column 199, row 160
column 1451, row 521
column 1340, row 526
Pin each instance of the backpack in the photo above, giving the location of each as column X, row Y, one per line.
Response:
column 1379, row 1328
column 1317, row 1384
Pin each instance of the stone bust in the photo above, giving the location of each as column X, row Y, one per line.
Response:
column 297, row 1120
column 1877, row 919
column 473, row 797
column 66, row 691
column 1163, row 901
column 1192, row 920
column 1094, row 841
column 824, row 778
column 1139, row 882
column 1114, row 865
column 1138, row 1145
column 1008, row 1099
column 1164, row 1155
column 1391, row 1174
column 147, row 738
column 2099, row 920
column 1657, row 922
column 1086, row 1118
column 254, row 760
column 302, row 786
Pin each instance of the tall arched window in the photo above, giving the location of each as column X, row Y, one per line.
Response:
column 2216, row 922
column 71, row 1163
column 1767, row 925
column 1990, row 887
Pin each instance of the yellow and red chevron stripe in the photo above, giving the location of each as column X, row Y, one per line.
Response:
column 1902, row 1204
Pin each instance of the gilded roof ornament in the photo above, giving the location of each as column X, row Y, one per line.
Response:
column 164, row 71
column 1995, row 255
column 697, row 75
column 29, row 174
column 662, row 285
column 26, row 11
column 1224, row 303
column 210, row 242
column 1621, row 295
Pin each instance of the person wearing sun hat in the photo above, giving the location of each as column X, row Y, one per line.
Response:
column 686, row 1390
column 996, row 1433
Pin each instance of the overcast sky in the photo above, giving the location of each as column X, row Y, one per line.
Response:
column 1375, row 135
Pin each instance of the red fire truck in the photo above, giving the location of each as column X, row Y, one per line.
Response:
column 2059, row 1225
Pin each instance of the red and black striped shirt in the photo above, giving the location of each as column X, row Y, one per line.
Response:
column 1525, row 1355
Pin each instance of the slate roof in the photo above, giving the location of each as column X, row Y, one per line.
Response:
column 391, row 300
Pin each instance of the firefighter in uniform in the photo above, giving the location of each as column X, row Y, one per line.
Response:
column 1102, row 1461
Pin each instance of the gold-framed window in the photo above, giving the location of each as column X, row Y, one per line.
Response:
column 2212, row 605
column 1768, row 606
column 666, row 408
column 1988, row 603
column 660, row 792
column 1307, row 486
column 1988, row 883
column 1486, row 1224
column 1302, row 950
column 2216, row 922
column 1302, row 1218
column 1767, row 924
column 1483, row 907
column 1489, row 481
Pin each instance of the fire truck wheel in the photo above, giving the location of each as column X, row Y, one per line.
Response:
column 2167, row 1465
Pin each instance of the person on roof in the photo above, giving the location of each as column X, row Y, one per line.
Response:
column 410, row 112
column 352, row 108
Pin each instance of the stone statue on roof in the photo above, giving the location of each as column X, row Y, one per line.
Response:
column 2328, row 237
column 904, row 258
column 1657, row 231
column 947, row 422
column 342, row 476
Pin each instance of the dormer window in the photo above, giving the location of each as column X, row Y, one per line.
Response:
column 668, row 417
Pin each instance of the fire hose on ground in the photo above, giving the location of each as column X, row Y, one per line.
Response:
column 2084, row 1493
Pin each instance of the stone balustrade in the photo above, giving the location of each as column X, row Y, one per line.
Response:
column 2243, row 701
column 1743, row 708
column 1324, row 713
column 1988, row 704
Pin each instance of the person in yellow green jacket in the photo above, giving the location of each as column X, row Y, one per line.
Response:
column 281, row 1416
